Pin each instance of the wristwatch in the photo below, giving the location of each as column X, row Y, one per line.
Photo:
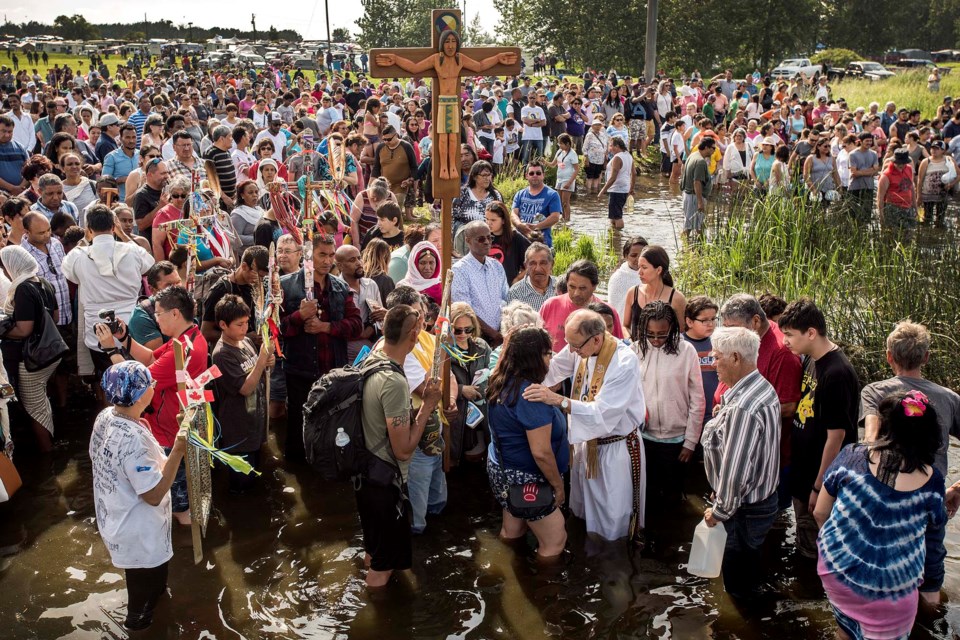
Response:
column 565, row 404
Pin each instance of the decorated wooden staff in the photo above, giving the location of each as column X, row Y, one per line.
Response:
column 268, row 312
column 440, row 364
column 286, row 217
column 308, row 230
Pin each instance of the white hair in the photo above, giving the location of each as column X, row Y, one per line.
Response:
column 728, row 340
column 519, row 314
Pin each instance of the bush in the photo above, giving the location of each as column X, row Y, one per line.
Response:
column 835, row 57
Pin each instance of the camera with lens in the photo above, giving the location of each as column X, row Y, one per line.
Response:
column 109, row 318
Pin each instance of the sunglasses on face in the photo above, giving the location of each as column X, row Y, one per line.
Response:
column 178, row 196
column 463, row 331
column 535, row 173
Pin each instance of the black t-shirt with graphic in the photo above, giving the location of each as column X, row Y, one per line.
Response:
column 830, row 399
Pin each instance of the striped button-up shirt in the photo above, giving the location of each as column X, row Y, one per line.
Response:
column 65, row 207
column 482, row 285
column 524, row 292
column 741, row 445
column 51, row 268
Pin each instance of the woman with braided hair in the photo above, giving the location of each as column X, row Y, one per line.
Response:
column 673, row 390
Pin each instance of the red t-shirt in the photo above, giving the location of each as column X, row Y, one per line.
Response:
column 555, row 312
column 166, row 406
column 780, row 366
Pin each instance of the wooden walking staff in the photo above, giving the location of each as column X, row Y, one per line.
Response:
column 443, row 62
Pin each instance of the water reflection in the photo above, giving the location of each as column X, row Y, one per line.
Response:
column 285, row 561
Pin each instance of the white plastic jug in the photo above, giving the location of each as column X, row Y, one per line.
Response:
column 706, row 552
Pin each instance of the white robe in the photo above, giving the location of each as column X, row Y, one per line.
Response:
column 605, row 502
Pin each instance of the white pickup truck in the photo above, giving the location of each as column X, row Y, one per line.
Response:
column 790, row 67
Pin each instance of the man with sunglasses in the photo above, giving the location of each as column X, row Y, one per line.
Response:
column 151, row 197
column 480, row 281
column 537, row 207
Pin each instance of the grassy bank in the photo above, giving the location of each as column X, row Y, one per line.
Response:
column 864, row 280
column 907, row 90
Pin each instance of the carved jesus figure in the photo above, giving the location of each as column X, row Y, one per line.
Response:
column 447, row 63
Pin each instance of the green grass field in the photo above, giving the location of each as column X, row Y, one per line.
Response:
column 907, row 90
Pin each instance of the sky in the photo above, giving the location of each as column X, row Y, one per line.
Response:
column 308, row 19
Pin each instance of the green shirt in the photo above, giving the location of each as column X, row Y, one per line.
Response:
column 386, row 398
column 696, row 169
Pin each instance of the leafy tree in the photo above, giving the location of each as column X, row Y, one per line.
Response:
column 75, row 27
column 341, row 34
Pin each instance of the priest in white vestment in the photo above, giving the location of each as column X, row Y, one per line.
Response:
column 606, row 411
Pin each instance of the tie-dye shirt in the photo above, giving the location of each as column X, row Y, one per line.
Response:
column 880, row 542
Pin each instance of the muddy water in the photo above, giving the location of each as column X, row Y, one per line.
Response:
column 284, row 561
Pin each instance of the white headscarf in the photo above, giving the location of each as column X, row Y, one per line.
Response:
column 414, row 278
column 21, row 266
column 267, row 162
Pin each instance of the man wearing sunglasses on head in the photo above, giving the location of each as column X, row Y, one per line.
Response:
column 537, row 207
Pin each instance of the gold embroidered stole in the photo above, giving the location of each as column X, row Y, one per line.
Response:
column 607, row 349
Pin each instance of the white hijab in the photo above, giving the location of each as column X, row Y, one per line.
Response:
column 21, row 266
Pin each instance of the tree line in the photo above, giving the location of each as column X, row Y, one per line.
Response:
column 77, row 27
column 704, row 34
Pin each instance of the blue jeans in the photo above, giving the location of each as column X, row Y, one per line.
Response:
column 527, row 145
column 427, row 488
column 746, row 531
column 180, row 500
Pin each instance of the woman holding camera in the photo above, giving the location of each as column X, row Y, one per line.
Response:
column 174, row 312
column 530, row 438
column 29, row 302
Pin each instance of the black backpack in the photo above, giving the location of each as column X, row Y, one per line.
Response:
column 335, row 403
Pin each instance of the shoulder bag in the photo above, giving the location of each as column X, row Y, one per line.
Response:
column 524, row 501
column 45, row 345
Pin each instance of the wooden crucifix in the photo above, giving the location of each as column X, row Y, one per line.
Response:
column 444, row 62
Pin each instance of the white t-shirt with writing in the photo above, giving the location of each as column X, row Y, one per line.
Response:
column 535, row 113
column 127, row 462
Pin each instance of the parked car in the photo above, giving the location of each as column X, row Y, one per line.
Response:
column 306, row 64
column 868, row 70
column 791, row 67
column 946, row 55
column 917, row 64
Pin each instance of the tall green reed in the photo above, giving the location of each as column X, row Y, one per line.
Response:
column 864, row 279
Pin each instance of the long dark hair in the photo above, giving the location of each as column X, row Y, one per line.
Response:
column 911, row 437
column 657, row 257
column 521, row 360
column 657, row 310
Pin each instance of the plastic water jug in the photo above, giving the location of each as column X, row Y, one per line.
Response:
column 706, row 552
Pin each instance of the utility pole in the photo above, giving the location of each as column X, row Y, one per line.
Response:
column 190, row 30
column 650, row 59
column 326, row 8
column 146, row 31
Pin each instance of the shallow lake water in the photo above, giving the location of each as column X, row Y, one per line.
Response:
column 284, row 561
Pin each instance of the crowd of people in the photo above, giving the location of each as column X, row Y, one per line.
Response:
column 578, row 406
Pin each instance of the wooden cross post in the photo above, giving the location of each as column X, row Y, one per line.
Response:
column 445, row 62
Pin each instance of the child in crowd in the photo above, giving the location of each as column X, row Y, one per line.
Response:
column 499, row 148
column 701, row 320
column 606, row 312
column 241, row 388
